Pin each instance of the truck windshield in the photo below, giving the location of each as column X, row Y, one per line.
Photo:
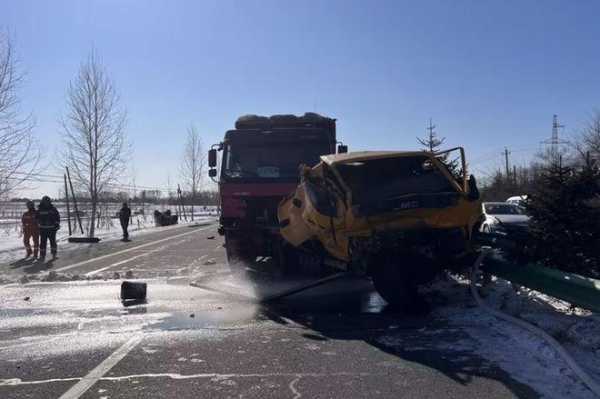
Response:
column 503, row 209
column 270, row 160
column 389, row 178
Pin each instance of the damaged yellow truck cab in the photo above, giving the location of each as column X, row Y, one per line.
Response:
column 376, row 210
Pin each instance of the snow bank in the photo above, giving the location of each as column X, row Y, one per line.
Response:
column 527, row 358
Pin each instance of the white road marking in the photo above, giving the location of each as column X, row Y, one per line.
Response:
column 93, row 376
column 85, row 262
column 122, row 262
column 176, row 376
column 296, row 393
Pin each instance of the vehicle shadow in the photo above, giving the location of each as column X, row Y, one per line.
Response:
column 349, row 309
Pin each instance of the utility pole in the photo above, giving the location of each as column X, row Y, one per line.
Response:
column 77, row 215
column 554, row 142
column 67, row 201
column 506, row 154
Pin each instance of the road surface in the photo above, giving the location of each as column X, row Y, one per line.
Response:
column 75, row 339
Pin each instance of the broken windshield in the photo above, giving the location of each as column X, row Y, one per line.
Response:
column 390, row 178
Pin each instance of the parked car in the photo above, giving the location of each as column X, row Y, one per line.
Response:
column 502, row 215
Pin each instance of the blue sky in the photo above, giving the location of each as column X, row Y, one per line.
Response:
column 489, row 73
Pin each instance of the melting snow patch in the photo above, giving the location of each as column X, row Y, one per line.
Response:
column 149, row 350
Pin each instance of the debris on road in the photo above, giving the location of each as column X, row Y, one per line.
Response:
column 131, row 290
column 27, row 298
column 129, row 274
column 116, row 276
column 210, row 262
column 210, row 237
column 52, row 276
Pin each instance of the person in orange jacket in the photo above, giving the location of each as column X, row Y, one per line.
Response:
column 31, row 230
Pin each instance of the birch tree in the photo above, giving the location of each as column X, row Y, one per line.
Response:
column 19, row 152
column 94, row 132
column 591, row 137
column 192, row 164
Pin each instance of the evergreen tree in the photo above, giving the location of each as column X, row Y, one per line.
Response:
column 565, row 217
column 431, row 142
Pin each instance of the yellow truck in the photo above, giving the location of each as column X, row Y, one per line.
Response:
column 398, row 217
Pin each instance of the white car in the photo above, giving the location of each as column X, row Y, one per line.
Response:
column 498, row 214
column 517, row 200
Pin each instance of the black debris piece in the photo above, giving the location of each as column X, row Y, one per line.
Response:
column 131, row 290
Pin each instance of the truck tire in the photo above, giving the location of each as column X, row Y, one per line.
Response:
column 397, row 286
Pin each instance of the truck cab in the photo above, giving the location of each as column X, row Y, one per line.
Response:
column 259, row 167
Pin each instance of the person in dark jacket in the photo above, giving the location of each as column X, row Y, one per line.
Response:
column 124, row 216
column 49, row 222
column 31, row 230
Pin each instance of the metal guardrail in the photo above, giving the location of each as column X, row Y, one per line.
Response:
column 573, row 288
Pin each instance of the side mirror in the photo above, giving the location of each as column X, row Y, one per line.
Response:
column 212, row 158
column 342, row 149
column 473, row 190
column 212, row 172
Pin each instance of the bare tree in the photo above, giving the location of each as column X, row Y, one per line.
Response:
column 591, row 136
column 94, row 136
column 19, row 152
column 192, row 164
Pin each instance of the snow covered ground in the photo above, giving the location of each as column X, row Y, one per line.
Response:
column 526, row 357
column 11, row 245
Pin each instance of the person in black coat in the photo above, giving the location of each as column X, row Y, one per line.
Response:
column 124, row 216
column 48, row 220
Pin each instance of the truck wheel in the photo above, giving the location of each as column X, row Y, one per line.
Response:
column 397, row 287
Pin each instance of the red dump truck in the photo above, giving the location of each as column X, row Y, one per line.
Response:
column 258, row 168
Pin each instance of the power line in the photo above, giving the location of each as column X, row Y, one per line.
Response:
column 48, row 178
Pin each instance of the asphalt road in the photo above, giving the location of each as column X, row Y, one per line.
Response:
column 72, row 339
